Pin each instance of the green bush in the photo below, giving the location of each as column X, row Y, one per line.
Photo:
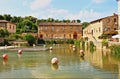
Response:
column 70, row 41
column 13, row 37
column 3, row 33
column 77, row 42
column 5, row 42
column 105, row 42
column 41, row 41
column 30, row 39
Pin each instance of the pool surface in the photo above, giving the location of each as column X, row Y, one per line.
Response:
column 97, row 65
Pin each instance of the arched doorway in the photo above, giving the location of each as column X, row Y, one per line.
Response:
column 75, row 35
column 41, row 36
column 92, row 32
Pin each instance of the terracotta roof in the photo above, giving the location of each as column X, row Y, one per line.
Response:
column 53, row 23
column 3, row 21
column 103, row 18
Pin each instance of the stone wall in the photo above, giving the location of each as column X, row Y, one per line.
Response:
column 98, row 27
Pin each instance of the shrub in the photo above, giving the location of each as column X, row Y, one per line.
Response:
column 105, row 42
column 41, row 41
column 30, row 39
column 13, row 37
column 77, row 42
column 70, row 41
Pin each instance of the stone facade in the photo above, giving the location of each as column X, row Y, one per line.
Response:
column 59, row 30
column 98, row 27
column 11, row 27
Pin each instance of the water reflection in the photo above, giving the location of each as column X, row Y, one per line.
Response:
column 95, row 58
column 54, row 66
column 19, row 55
column 5, row 62
column 99, row 64
column 81, row 58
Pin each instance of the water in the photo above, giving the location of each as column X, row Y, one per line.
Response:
column 97, row 65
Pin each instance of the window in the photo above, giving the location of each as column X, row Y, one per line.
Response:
column 115, row 29
column 13, row 27
column 46, row 28
column 53, row 28
column 70, row 35
column 70, row 27
column 106, row 29
column 10, row 26
column 64, row 35
column 46, row 35
column 76, row 28
column 114, row 19
column 52, row 35
column 99, row 29
column 41, row 28
column 63, row 28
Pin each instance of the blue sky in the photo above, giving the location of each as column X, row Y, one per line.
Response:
column 85, row 10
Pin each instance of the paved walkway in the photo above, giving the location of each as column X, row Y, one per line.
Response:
column 7, row 47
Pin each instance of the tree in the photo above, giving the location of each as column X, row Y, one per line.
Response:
column 14, row 19
column 78, row 21
column 84, row 25
column 1, row 17
column 30, row 18
column 26, row 26
column 50, row 20
column 7, row 17
column 3, row 33
column 30, row 39
column 13, row 37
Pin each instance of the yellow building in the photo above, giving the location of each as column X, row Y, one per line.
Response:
column 62, row 30
column 107, row 25
column 11, row 27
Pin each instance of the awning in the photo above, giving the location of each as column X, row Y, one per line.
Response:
column 116, row 36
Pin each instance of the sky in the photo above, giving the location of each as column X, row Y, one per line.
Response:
column 85, row 10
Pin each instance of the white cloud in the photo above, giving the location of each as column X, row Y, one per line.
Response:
column 50, row 13
column 98, row 1
column 43, row 10
column 83, row 15
column 39, row 4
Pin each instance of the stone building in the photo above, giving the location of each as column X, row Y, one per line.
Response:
column 107, row 25
column 54, row 30
column 11, row 27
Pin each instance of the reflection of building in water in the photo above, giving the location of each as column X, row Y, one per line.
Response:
column 105, row 62
column 95, row 58
column 68, row 57
column 119, row 70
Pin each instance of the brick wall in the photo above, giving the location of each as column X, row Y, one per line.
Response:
column 60, row 30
